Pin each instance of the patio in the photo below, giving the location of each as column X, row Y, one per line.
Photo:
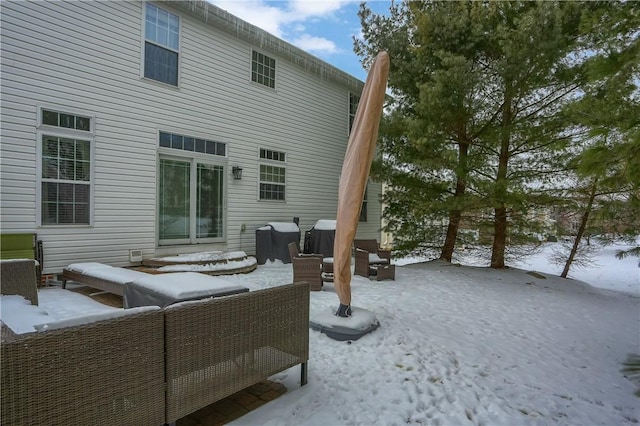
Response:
column 147, row 365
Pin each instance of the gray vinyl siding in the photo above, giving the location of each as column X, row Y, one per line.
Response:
column 85, row 57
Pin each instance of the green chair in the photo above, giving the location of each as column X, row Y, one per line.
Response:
column 22, row 246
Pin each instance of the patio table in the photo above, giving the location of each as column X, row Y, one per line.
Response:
column 165, row 289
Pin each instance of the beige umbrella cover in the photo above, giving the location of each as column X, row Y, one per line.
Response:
column 355, row 172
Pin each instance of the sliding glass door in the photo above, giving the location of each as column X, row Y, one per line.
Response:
column 190, row 201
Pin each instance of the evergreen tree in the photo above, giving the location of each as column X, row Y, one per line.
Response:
column 478, row 122
column 609, row 112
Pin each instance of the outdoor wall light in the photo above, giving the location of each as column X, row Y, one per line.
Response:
column 237, row 172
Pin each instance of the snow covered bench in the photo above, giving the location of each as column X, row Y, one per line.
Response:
column 142, row 289
column 98, row 275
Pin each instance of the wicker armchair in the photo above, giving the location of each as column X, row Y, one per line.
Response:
column 306, row 267
column 371, row 260
column 18, row 276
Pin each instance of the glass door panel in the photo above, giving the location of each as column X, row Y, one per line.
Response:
column 209, row 200
column 174, row 200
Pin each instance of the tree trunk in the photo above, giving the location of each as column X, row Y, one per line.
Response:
column 456, row 215
column 501, row 184
column 452, row 235
column 499, row 238
column 583, row 226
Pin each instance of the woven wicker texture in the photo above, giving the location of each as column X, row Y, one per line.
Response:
column 217, row 347
column 362, row 265
column 19, row 277
column 306, row 267
column 109, row 372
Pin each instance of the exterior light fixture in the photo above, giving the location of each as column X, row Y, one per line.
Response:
column 237, row 172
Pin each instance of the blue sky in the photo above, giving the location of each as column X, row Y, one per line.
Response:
column 324, row 28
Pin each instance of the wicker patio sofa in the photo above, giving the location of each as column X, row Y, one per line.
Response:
column 219, row 346
column 151, row 367
column 107, row 372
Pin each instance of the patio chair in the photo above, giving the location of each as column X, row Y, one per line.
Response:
column 306, row 267
column 18, row 276
column 23, row 246
column 371, row 260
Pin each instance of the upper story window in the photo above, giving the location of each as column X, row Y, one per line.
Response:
column 353, row 107
column 65, row 151
column 161, row 45
column 272, row 175
column 263, row 69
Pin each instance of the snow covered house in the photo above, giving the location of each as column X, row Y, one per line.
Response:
column 159, row 128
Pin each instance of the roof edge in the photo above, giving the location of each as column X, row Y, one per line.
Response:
column 221, row 19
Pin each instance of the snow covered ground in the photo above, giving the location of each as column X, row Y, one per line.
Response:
column 464, row 345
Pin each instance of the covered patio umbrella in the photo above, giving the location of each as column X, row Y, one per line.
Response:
column 355, row 172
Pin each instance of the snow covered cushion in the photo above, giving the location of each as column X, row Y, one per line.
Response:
column 87, row 319
column 83, row 268
column 20, row 315
column 187, row 285
column 118, row 275
column 374, row 258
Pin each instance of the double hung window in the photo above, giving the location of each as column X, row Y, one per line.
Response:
column 272, row 175
column 65, row 143
column 190, row 190
column 161, row 45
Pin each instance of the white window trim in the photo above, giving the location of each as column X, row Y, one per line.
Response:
column 276, row 163
column 143, row 39
column 45, row 129
column 194, row 158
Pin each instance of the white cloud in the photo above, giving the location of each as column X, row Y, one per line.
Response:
column 282, row 18
column 315, row 8
column 315, row 44
column 269, row 18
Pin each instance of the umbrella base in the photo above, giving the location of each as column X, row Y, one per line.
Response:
column 360, row 322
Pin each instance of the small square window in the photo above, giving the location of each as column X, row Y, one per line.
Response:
column 83, row 123
column 263, row 69
column 188, row 144
column 50, row 118
column 200, row 145
column 165, row 140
